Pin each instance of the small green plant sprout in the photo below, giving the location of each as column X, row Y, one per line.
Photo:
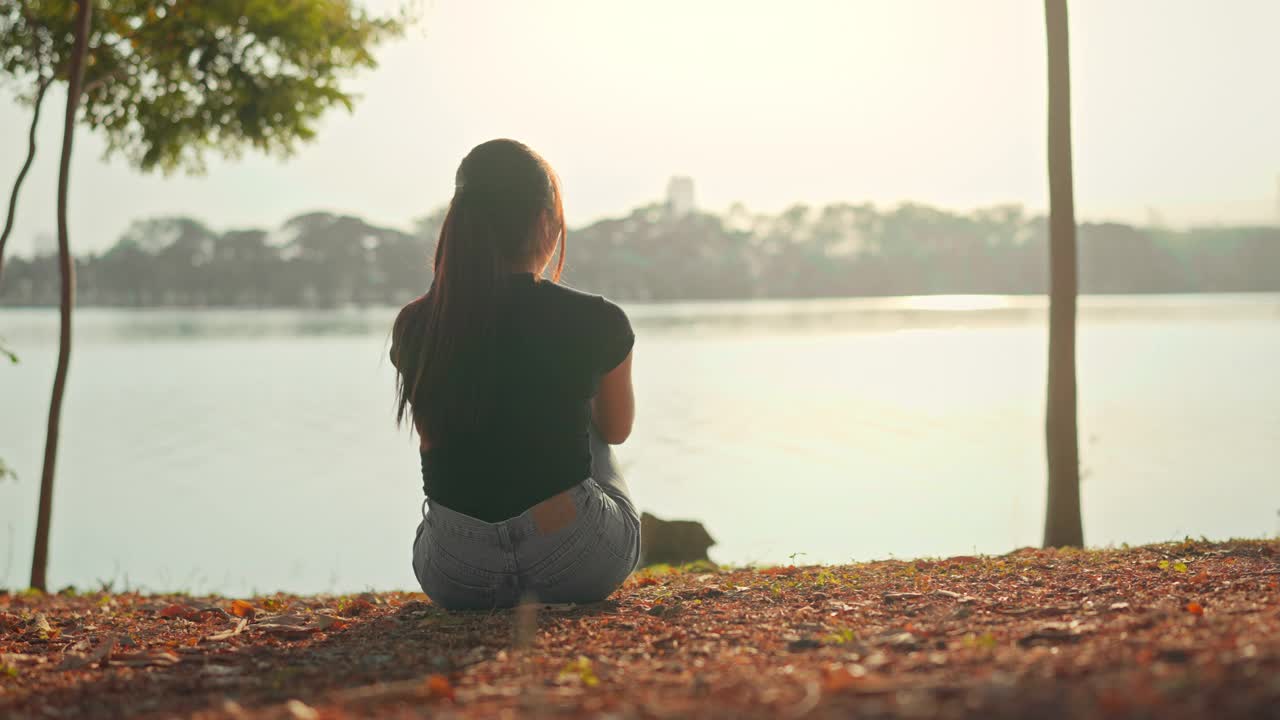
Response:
column 581, row 669
column 699, row 566
column 1178, row 567
column 792, row 557
column 986, row 641
column 842, row 637
column 824, row 578
column 7, row 354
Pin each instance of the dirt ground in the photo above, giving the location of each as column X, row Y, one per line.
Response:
column 1167, row 631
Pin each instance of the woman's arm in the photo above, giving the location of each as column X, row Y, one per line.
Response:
column 614, row 406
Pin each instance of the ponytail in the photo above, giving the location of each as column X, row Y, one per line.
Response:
column 443, row 342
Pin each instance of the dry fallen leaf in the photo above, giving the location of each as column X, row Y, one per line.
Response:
column 355, row 607
column 734, row 653
column 158, row 658
column 327, row 622
column 225, row 634
column 301, row 711
column 74, row 660
column 42, row 627
column 292, row 620
column 285, row 624
column 176, row 610
column 1054, row 633
column 242, row 609
column 440, row 687
column 9, row 621
column 845, row 676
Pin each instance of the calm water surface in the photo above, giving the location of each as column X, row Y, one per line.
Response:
column 235, row 451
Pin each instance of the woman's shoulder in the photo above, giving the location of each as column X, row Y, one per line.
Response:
column 582, row 303
column 574, row 297
column 599, row 328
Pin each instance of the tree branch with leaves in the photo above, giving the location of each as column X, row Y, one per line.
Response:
column 167, row 81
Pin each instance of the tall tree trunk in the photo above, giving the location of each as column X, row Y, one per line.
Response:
column 26, row 165
column 1062, row 525
column 40, row 557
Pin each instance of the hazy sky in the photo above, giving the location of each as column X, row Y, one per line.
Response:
column 767, row 103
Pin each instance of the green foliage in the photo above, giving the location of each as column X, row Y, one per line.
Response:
column 34, row 38
column 169, row 80
column 335, row 260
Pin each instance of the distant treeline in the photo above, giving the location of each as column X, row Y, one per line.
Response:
column 326, row 260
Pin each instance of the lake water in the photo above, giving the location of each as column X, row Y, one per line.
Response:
column 235, row 451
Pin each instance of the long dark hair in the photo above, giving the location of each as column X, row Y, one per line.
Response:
column 506, row 213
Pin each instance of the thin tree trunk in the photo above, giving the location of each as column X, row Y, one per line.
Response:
column 1062, row 525
column 40, row 557
column 26, row 165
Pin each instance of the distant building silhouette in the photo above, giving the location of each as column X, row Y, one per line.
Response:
column 680, row 196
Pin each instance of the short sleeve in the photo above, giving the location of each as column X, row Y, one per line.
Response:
column 613, row 337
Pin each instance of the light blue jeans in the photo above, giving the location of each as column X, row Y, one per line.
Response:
column 576, row 547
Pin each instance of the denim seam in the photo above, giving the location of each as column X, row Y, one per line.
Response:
column 460, row 530
column 561, row 550
column 487, row 596
column 463, row 567
column 609, row 546
column 609, row 508
column 573, row 568
column 551, row 581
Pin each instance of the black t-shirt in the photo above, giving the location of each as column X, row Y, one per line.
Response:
column 553, row 345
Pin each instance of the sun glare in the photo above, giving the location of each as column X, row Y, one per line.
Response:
column 956, row 303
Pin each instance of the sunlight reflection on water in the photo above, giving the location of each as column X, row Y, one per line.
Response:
column 241, row 450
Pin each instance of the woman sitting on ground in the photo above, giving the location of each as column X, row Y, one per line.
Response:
column 515, row 384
